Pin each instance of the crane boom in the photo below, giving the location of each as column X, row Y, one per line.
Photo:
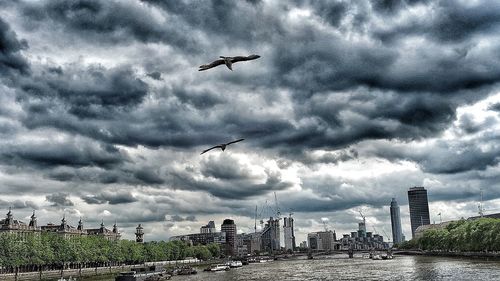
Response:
column 278, row 213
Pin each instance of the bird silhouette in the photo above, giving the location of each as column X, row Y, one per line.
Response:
column 221, row 146
column 228, row 61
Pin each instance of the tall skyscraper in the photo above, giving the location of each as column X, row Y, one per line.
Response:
column 288, row 233
column 419, row 208
column 397, row 235
column 229, row 228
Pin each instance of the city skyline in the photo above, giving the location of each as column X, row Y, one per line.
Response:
column 103, row 112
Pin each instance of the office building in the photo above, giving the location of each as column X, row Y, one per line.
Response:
column 229, row 228
column 419, row 208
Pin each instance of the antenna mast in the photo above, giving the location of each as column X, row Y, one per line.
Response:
column 480, row 207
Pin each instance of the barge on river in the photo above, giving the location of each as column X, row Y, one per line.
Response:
column 147, row 273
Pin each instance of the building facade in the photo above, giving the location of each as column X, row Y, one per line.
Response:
column 11, row 225
column 322, row 241
column 229, row 228
column 209, row 228
column 202, row 238
column 270, row 236
column 397, row 234
column 419, row 208
column 288, row 233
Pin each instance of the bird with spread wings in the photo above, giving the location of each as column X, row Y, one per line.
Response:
column 221, row 146
column 228, row 61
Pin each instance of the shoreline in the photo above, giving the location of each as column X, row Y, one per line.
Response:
column 476, row 255
column 87, row 272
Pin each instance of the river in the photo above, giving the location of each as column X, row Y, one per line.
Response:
column 342, row 268
column 339, row 267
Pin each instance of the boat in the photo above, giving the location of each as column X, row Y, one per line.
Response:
column 147, row 273
column 220, row 267
column 69, row 279
column 235, row 264
column 386, row 257
column 185, row 270
column 376, row 257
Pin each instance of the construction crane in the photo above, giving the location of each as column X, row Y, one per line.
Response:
column 385, row 233
column 325, row 225
column 265, row 206
column 364, row 219
column 278, row 213
column 255, row 225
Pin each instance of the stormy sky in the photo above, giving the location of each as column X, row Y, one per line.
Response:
column 103, row 113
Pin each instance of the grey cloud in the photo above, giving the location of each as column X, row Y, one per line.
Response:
column 177, row 218
column 11, row 61
column 88, row 93
column 110, row 197
column 228, row 189
column 494, row 107
column 59, row 199
column 148, row 176
column 445, row 157
column 155, row 75
column 109, row 21
column 66, row 153
column 18, row 204
column 225, row 168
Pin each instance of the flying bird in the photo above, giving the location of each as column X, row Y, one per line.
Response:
column 228, row 61
column 221, row 146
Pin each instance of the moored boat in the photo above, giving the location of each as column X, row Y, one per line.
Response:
column 148, row 273
column 235, row 264
column 220, row 267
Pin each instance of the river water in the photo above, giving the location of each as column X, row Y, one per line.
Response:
column 341, row 268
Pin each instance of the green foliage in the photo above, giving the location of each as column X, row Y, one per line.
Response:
column 50, row 248
column 462, row 236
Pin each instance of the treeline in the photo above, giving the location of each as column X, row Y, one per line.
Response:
column 460, row 236
column 52, row 251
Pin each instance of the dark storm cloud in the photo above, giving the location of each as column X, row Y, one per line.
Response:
column 11, row 60
column 177, row 218
column 236, row 188
column 109, row 21
column 237, row 22
column 59, row 199
column 49, row 154
column 225, row 168
column 332, row 74
column 155, row 75
column 199, row 99
column 445, row 157
column 112, row 198
column 448, row 21
column 148, row 176
column 88, row 92
column 18, row 204
column 494, row 107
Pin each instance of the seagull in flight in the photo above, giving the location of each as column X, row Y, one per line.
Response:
column 228, row 61
column 221, row 146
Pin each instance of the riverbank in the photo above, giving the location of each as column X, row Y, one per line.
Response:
column 56, row 274
column 482, row 255
column 101, row 272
